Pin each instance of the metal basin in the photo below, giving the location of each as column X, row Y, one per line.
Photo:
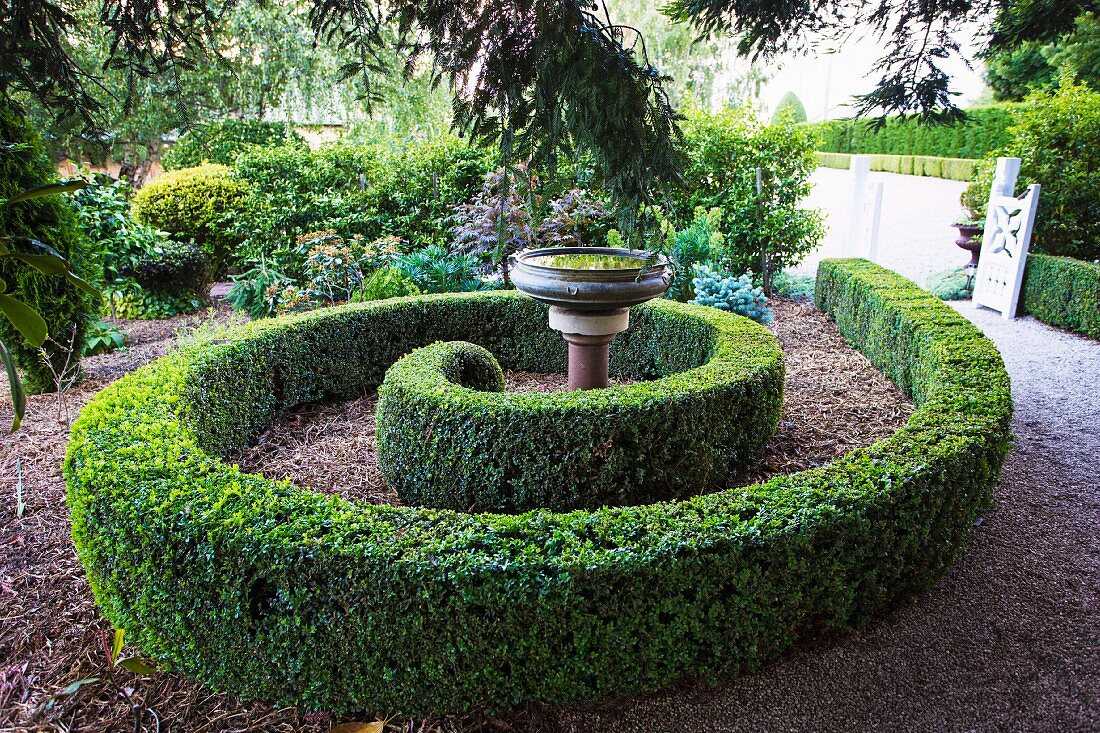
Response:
column 587, row 289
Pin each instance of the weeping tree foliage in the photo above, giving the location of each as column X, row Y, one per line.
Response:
column 545, row 80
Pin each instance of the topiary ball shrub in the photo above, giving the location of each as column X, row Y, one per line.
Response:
column 271, row 591
column 195, row 205
column 51, row 220
column 445, row 442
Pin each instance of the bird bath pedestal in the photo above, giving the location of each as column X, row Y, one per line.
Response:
column 589, row 291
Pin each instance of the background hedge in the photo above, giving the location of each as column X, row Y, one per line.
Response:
column 704, row 418
column 985, row 130
column 1063, row 292
column 955, row 169
column 279, row 593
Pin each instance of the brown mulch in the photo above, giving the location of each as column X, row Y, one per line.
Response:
column 51, row 634
column 834, row 401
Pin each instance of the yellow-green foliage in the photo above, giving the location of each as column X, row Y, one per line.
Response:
column 275, row 592
column 195, row 205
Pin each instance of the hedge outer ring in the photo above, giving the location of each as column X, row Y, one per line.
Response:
column 444, row 445
column 253, row 586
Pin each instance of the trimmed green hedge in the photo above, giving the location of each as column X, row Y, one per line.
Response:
column 280, row 593
column 706, row 419
column 985, row 130
column 955, row 169
column 1063, row 292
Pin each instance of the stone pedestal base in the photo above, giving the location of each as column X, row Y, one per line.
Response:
column 589, row 335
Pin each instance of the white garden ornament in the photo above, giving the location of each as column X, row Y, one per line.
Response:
column 1008, row 225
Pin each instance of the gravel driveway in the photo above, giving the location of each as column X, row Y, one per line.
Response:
column 1010, row 639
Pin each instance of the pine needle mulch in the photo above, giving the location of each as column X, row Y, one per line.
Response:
column 52, row 636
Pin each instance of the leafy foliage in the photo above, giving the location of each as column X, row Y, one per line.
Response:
column 103, row 337
column 105, row 218
column 269, row 565
column 450, row 437
column 731, row 294
column 436, row 269
column 700, row 242
column 386, row 188
column 723, row 152
column 195, row 205
column 1054, row 136
column 44, row 261
column 385, row 282
column 256, row 290
column 221, row 142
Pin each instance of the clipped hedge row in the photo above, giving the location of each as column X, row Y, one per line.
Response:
column 984, row 130
column 1063, row 292
column 955, row 169
column 280, row 593
column 445, row 445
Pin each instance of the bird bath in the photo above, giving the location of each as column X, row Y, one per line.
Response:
column 589, row 291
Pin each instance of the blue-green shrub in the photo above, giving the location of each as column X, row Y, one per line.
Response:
column 700, row 421
column 275, row 592
column 731, row 294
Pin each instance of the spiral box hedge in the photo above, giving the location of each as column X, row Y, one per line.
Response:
column 283, row 594
column 450, row 437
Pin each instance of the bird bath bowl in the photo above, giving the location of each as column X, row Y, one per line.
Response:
column 589, row 290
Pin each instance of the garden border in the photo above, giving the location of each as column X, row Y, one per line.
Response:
column 953, row 169
column 1063, row 292
column 274, row 592
column 443, row 445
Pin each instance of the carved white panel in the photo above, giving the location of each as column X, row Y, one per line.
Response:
column 1009, row 222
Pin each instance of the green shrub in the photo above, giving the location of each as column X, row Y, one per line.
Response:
column 700, row 242
column 51, row 220
column 954, row 169
column 436, row 269
column 102, row 337
column 385, row 282
column 173, row 267
column 195, row 205
column 789, row 106
column 222, row 141
column 279, row 593
column 443, row 445
column 1055, row 138
column 104, row 216
column 731, row 294
column 368, row 190
column 985, row 130
column 723, row 151
column 155, row 304
column 1063, row 292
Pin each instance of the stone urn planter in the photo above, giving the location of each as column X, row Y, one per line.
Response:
column 589, row 290
column 970, row 239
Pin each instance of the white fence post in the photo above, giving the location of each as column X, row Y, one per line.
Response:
column 860, row 167
column 874, row 219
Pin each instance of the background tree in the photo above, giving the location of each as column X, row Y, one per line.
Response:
column 1015, row 72
column 791, row 105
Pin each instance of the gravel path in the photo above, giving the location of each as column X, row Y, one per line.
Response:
column 915, row 237
column 1010, row 639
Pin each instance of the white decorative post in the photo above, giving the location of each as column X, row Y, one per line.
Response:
column 873, row 218
column 860, row 167
column 1008, row 224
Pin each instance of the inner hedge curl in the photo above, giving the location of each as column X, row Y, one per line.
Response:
column 276, row 593
column 444, row 442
